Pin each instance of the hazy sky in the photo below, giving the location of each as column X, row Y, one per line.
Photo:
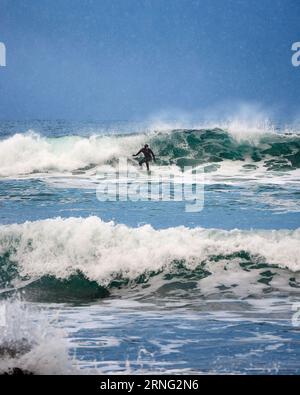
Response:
column 128, row 59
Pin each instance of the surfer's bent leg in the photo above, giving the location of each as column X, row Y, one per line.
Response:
column 142, row 161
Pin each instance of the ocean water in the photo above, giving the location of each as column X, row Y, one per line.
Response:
column 144, row 286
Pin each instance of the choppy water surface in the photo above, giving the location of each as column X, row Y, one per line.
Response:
column 144, row 286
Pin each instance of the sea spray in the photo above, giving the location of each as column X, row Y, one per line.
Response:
column 31, row 344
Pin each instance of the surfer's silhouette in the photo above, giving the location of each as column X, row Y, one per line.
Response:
column 148, row 156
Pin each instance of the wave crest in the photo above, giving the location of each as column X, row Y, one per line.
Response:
column 106, row 254
column 31, row 153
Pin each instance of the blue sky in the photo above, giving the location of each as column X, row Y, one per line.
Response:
column 130, row 59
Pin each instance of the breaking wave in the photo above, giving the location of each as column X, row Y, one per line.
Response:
column 79, row 258
column 31, row 153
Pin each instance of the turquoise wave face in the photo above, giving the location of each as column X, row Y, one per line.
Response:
column 249, row 273
column 195, row 147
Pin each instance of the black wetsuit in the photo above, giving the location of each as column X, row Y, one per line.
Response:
column 148, row 155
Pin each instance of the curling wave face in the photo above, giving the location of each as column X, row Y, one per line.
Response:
column 29, row 153
column 88, row 257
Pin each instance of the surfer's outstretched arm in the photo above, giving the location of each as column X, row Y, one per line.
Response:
column 138, row 153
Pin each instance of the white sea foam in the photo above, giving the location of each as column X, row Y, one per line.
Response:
column 100, row 250
column 27, row 153
column 31, row 154
column 28, row 341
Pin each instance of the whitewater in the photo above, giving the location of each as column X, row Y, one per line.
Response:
column 144, row 286
column 24, row 154
column 101, row 251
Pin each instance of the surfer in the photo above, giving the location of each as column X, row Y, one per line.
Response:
column 148, row 155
